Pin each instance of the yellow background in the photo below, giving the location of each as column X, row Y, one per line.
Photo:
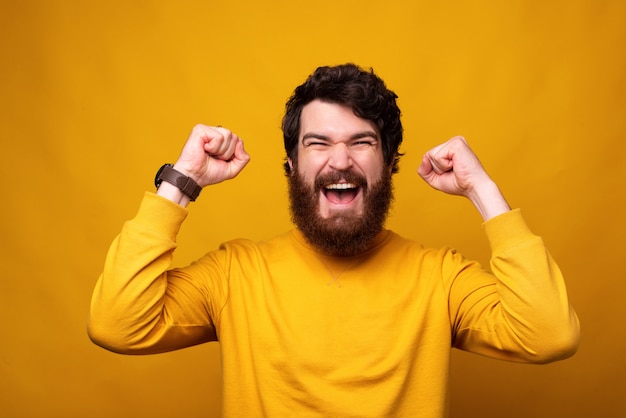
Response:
column 95, row 96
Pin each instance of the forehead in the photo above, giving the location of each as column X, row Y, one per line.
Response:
column 332, row 120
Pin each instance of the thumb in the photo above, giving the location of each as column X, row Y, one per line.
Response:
column 425, row 168
column 441, row 163
column 240, row 158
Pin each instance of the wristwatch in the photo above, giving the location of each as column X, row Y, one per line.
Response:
column 187, row 185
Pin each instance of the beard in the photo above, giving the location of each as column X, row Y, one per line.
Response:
column 341, row 234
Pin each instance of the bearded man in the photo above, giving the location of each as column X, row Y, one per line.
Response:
column 339, row 317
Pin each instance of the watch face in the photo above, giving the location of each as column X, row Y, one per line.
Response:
column 157, row 179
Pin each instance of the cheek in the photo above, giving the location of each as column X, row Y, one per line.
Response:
column 309, row 168
column 304, row 174
column 373, row 169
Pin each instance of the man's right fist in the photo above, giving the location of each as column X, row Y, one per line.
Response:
column 211, row 155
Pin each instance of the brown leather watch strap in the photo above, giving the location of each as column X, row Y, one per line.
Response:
column 186, row 184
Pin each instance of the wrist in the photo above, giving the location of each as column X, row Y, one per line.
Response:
column 488, row 200
column 184, row 170
column 173, row 193
column 185, row 184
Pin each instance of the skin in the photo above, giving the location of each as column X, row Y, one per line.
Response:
column 333, row 138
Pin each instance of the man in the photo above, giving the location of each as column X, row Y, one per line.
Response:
column 339, row 317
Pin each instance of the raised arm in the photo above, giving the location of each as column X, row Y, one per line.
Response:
column 139, row 305
column 521, row 311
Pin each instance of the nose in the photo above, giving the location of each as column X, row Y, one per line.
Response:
column 340, row 158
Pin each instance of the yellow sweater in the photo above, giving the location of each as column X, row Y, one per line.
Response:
column 306, row 335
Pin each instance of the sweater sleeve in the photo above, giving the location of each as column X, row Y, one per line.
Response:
column 138, row 306
column 518, row 312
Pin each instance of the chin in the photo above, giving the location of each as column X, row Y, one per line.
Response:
column 339, row 229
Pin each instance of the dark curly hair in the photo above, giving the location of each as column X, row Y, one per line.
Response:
column 348, row 85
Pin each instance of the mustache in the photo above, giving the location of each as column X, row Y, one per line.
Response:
column 324, row 180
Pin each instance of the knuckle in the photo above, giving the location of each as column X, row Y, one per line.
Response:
column 198, row 127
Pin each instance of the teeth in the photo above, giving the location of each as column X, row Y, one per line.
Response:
column 341, row 186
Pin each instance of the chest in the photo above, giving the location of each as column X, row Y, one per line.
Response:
column 331, row 316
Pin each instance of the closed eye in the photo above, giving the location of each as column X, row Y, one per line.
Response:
column 359, row 140
column 315, row 140
column 365, row 139
column 315, row 143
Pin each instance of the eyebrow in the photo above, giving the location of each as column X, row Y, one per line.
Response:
column 358, row 135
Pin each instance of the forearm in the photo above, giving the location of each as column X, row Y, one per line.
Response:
column 534, row 302
column 127, row 303
column 525, row 315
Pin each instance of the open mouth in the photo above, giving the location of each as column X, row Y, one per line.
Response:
column 341, row 193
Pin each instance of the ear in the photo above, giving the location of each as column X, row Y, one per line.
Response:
column 290, row 164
